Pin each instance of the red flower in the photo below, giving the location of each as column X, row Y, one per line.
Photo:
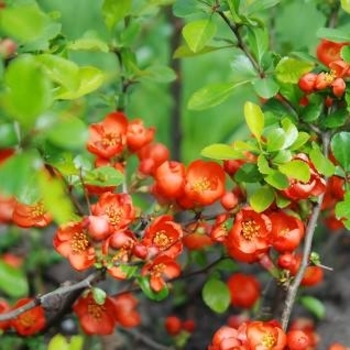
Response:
column 300, row 190
column 33, row 215
column 161, row 267
column 173, row 325
column 4, row 307
column 307, row 82
column 95, row 318
column 297, row 340
column 287, row 231
column 117, row 208
column 265, row 336
column 164, row 236
column 250, row 235
column 125, row 313
column 170, row 179
column 205, row 182
column 226, row 338
column 137, row 135
column 313, row 275
column 6, row 208
column 244, row 290
column 197, row 236
column 29, row 322
column 108, row 138
column 329, row 51
column 72, row 242
column 220, row 229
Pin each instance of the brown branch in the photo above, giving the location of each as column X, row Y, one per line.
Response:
column 309, row 235
column 50, row 300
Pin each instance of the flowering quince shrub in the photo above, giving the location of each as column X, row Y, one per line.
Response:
column 80, row 170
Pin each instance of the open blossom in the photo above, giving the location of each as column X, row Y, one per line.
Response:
column 117, row 208
column 4, row 307
column 29, row 322
column 108, row 138
column 164, row 236
column 329, row 51
column 205, row 182
column 73, row 242
column 250, row 235
column 162, row 268
column 138, row 135
column 31, row 215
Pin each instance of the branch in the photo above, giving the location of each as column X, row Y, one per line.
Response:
column 50, row 300
column 310, row 230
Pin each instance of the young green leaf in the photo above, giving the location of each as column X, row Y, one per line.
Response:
column 314, row 305
column 13, row 281
column 342, row 210
column 149, row 292
column 216, row 295
column 254, row 118
column 340, row 145
column 296, row 169
column 220, row 151
column 104, row 176
column 262, row 198
column 198, row 33
column 114, row 11
column 321, row 162
column 266, row 87
column 333, row 34
column 289, row 70
column 277, row 180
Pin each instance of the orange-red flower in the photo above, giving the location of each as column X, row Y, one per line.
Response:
column 197, row 236
column 125, row 310
column 244, row 290
column 95, row 318
column 33, row 215
column 169, row 179
column 6, row 208
column 287, row 231
column 329, row 51
column 73, row 242
column 4, row 307
column 164, row 236
column 117, row 208
column 226, row 338
column 205, row 182
column 151, row 156
column 108, row 138
column 138, row 135
column 160, row 269
column 29, row 322
column 265, row 336
column 250, row 235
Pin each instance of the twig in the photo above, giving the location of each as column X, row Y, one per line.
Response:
column 49, row 301
column 310, row 230
column 146, row 340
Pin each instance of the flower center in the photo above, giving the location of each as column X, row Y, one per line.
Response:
column 110, row 139
column 250, row 229
column 26, row 320
column 96, row 311
column 37, row 210
column 269, row 341
column 201, row 185
column 161, row 240
column 79, row 243
column 158, row 270
column 114, row 216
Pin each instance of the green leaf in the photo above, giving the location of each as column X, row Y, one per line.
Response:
column 282, row 156
column 88, row 44
column 104, row 176
column 291, row 132
column 90, row 79
column 263, row 165
column 296, row 169
column 227, row 265
column 13, row 281
column 114, row 11
column 258, row 39
column 322, row 164
column 345, row 53
column 220, row 151
column 184, row 51
column 314, row 305
column 198, row 33
column 262, row 198
column 340, row 145
column 8, row 135
column 211, row 95
column 149, row 292
column 242, row 66
column 332, row 34
column 336, row 119
column 261, row 5
column 159, row 74
column 56, row 199
column 62, row 71
column 99, row 295
column 266, row 87
column 60, row 342
column 311, row 112
column 249, row 173
column 277, row 180
column 345, row 5
column 216, row 295
column 342, row 210
column 24, row 75
column 254, row 118
column 16, row 172
column 302, row 138
column 275, row 139
column 24, row 22
column 69, row 133
column 184, row 8
column 281, row 201
column 289, row 70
